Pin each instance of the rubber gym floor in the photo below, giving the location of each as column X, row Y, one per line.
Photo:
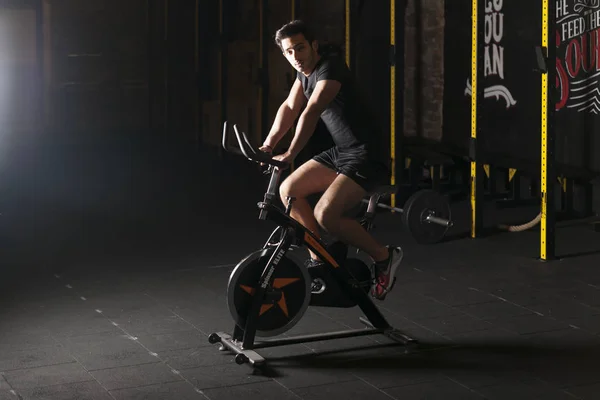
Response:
column 115, row 264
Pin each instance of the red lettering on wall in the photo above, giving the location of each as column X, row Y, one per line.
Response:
column 582, row 57
column 562, row 84
column 573, row 58
column 588, row 61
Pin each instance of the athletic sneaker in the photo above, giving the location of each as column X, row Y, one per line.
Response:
column 385, row 273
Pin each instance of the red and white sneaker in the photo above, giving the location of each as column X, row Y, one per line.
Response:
column 385, row 273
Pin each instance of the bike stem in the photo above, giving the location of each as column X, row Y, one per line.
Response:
column 271, row 191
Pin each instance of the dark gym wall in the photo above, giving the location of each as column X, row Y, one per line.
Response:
column 157, row 65
column 181, row 66
column 235, row 57
column 371, row 29
column 457, row 54
column 243, row 68
column 114, row 67
column 97, row 56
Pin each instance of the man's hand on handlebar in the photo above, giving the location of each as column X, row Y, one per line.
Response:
column 266, row 148
column 284, row 157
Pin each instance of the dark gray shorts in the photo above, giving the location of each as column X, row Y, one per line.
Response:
column 355, row 164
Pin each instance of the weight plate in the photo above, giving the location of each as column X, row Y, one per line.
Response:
column 288, row 296
column 417, row 208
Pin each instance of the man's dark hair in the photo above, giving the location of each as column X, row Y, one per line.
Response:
column 293, row 28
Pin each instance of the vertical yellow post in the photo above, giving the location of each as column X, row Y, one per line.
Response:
column 474, row 92
column 547, row 223
column 393, row 100
column 544, row 132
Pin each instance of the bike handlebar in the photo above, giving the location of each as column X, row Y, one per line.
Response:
column 246, row 149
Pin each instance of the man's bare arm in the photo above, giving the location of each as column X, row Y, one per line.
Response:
column 325, row 91
column 286, row 115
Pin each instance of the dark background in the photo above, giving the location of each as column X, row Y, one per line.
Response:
column 111, row 112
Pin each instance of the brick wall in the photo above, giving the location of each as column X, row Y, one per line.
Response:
column 430, row 61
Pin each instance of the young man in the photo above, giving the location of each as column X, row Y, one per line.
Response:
column 345, row 173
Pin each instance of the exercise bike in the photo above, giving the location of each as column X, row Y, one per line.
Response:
column 269, row 291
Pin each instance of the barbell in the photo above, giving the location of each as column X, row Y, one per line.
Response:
column 426, row 215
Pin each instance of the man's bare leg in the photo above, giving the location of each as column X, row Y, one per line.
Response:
column 310, row 178
column 342, row 195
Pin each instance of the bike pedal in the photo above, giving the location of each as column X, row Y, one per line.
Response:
column 318, row 286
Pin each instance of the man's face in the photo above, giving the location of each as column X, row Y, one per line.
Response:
column 300, row 54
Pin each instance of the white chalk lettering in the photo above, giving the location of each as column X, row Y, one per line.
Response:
column 494, row 27
column 562, row 8
column 493, row 54
column 493, row 5
column 594, row 20
column 493, row 34
column 574, row 27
